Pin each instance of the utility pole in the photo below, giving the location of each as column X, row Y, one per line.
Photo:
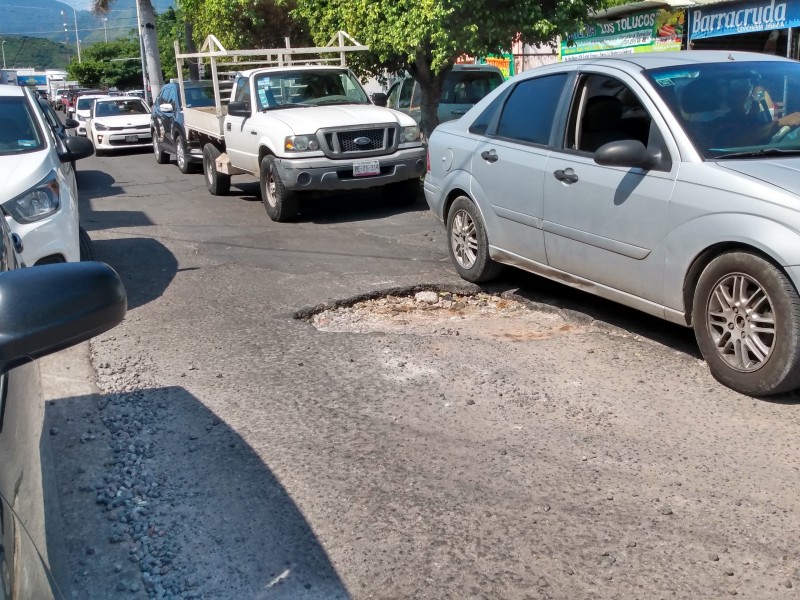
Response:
column 3, row 46
column 105, row 31
column 66, row 36
column 77, row 41
column 145, row 78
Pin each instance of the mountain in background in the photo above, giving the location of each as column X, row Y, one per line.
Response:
column 37, row 53
column 48, row 19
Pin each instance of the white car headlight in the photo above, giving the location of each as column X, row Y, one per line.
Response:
column 100, row 127
column 39, row 202
column 301, row 143
column 81, row 118
column 411, row 134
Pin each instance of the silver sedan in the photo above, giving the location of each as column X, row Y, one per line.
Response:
column 667, row 182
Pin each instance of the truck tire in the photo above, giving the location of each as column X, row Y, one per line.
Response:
column 282, row 205
column 218, row 184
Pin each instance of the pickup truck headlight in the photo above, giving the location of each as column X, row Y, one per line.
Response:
column 411, row 134
column 39, row 202
column 100, row 127
column 301, row 143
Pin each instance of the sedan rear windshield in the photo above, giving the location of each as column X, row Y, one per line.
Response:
column 735, row 109
column 19, row 130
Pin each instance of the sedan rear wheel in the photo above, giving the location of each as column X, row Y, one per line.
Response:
column 746, row 317
column 468, row 243
column 161, row 156
column 181, row 157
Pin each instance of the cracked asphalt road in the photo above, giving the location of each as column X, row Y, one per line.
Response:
column 231, row 450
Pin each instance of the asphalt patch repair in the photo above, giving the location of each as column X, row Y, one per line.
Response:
column 429, row 313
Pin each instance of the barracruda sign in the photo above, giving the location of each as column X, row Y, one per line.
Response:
column 727, row 19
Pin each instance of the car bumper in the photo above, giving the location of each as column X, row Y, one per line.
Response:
column 434, row 196
column 326, row 174
column 119, row 140
column 54, row 239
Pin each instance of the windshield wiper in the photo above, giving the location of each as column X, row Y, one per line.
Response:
column 761, row 152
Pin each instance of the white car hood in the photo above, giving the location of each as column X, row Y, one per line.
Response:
column 781, row 172
column 20, row 172
column 306, row 120
column 124, row 120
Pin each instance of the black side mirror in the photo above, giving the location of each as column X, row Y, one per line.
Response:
column 48, row 308
column 624, row 153
column 379, row 99
column 77, row 148
column 239, row 109
column 70, row 123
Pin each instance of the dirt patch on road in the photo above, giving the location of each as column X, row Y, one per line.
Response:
column 479, row 315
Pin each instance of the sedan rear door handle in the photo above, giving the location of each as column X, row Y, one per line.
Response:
column 566, row 175
column 489, row 155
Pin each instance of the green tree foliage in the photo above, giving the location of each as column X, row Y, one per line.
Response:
column 426, row 37
column 242, row 24
column 112, row 64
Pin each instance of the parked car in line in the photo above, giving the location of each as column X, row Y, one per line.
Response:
column 667, row 182
column 463, row 87
column 167, row 126
column 83, row 109
column 118, row 122
column 44, row 309
column 39, row 195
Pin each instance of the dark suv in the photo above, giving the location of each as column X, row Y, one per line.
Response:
column 169, row 134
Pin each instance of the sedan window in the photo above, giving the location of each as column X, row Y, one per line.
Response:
column 605, row 110
column 531, row 108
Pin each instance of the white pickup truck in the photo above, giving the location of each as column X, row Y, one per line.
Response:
column 301, row 127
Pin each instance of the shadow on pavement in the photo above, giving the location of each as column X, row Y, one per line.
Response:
column 545, row 291
column 184, row 505
column 127, row 255
column 98, row 184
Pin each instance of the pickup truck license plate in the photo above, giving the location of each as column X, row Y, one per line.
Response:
column 131, row 138
column 365, row 168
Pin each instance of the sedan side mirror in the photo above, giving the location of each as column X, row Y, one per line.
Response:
column 624, row 153
column 47, row 308
column 379, row 99
column 77, row 147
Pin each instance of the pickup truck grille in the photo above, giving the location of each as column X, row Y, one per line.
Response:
column 354, row 143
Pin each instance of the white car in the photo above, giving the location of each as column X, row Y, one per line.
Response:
column 83, row 110
column 39, row 195
column 119, row 122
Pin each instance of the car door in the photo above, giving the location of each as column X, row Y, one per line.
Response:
column 608, row 224
column 239, row 141
column 508, row 164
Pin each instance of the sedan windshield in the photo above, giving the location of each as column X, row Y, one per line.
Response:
column 19, row 131
column 735, row 109
column 309, row 88
column 126, row 106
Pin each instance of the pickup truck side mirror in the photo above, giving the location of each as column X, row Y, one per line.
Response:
column 239, row 109
column 379, row 99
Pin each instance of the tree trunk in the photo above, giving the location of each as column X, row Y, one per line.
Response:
column 188, row 33
column 150, row 43
column 430, row 84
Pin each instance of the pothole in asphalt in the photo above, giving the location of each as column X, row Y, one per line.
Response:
column 446, row 313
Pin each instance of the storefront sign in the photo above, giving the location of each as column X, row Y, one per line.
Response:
column 730, row 19
column 649, row 31
column 31, row 80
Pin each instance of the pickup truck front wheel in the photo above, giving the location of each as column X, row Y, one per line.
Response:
column 218, row 184
column 281, row 204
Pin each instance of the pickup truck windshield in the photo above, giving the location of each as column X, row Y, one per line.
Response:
column 735, row 109
column 308, row 88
